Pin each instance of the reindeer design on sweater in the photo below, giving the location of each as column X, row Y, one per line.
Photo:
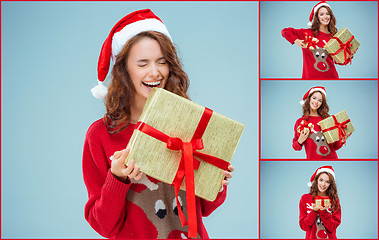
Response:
column 160, row 206
column 320, row 55
column 322, row 146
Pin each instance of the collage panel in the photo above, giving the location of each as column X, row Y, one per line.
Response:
column 286, row 204
column 58, row 146
column 282, row 113
column 282, row 22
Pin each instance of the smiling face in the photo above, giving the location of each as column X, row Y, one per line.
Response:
column 323, row 183
column 147, row 68
column 323, row 16
column 315, row 101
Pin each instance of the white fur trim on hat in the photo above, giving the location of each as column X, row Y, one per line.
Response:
column 328, row 170
column 120, row 38
column 317, row 89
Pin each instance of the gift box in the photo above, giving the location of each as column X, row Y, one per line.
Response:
column 184, row 144
column 341, row 46
column 322, row 201
column 178, row 117
column 310, row 42
column 305, row 125
column 337, row 126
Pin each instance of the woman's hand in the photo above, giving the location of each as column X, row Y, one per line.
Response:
column 315, row 207
column 120, row 170
column 303, row 136
column 300, row 43
column 344, row 138
column 227, row 175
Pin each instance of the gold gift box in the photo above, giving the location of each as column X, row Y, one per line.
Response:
column 326, row 202
column 333, row 45
column 179, row 117
column 313, row 40
column 333, row 135
column 318, row 202
column 322, row 202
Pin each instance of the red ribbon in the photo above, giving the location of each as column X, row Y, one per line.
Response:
column 187, row 165
column 309, row 41
column 341, row 128
column 346, row 47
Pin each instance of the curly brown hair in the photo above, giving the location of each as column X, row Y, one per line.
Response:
column 331, row 192
column 323, row 110
column 121, row 89
column 316, row 22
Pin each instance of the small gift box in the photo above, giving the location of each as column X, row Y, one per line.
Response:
column 176, row 138
column 322, row 201
column 341, row 46
column 305, row 125
column 310, row 42
column 337, row 126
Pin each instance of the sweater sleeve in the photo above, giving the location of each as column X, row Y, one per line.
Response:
column 331, row 221
column 105, row 208
column 207, row 207
column 337, row 145
column 291, row 34
column 295, row 144
column 306, row 220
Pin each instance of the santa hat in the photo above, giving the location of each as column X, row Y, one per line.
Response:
column 327, row 169
column 129, row 26
column 310, row 91
column 314, row 10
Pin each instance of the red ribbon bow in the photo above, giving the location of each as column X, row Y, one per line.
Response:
column 304, row 124
column 187, row 165
column 309, row 40
column 346, row 47
column 341, row 128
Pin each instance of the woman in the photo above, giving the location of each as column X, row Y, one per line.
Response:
column 123, row 202
column 317, row 64
column 308, row 132
column 320, row 219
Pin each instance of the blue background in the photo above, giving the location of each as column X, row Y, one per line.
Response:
column 280, row 108
column 283, row 184
column 49, row 57
column 280, row 59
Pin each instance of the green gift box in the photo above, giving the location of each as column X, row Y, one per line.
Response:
column 336, row 126
column 341, row 45
column 178, row 118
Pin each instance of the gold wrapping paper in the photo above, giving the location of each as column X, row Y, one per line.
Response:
column 333, row 135
column 318, row 202
column 178, row 117
column 333, row 45
column 326, row 202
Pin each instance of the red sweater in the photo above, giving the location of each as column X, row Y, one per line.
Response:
column 315, row 66
column 143, row 209
column 308, row 219
column 315, row 146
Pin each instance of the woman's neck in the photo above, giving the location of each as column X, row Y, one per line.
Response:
column 313, row 113
column 322, row 194
column 324, row 29
column 136, row 110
